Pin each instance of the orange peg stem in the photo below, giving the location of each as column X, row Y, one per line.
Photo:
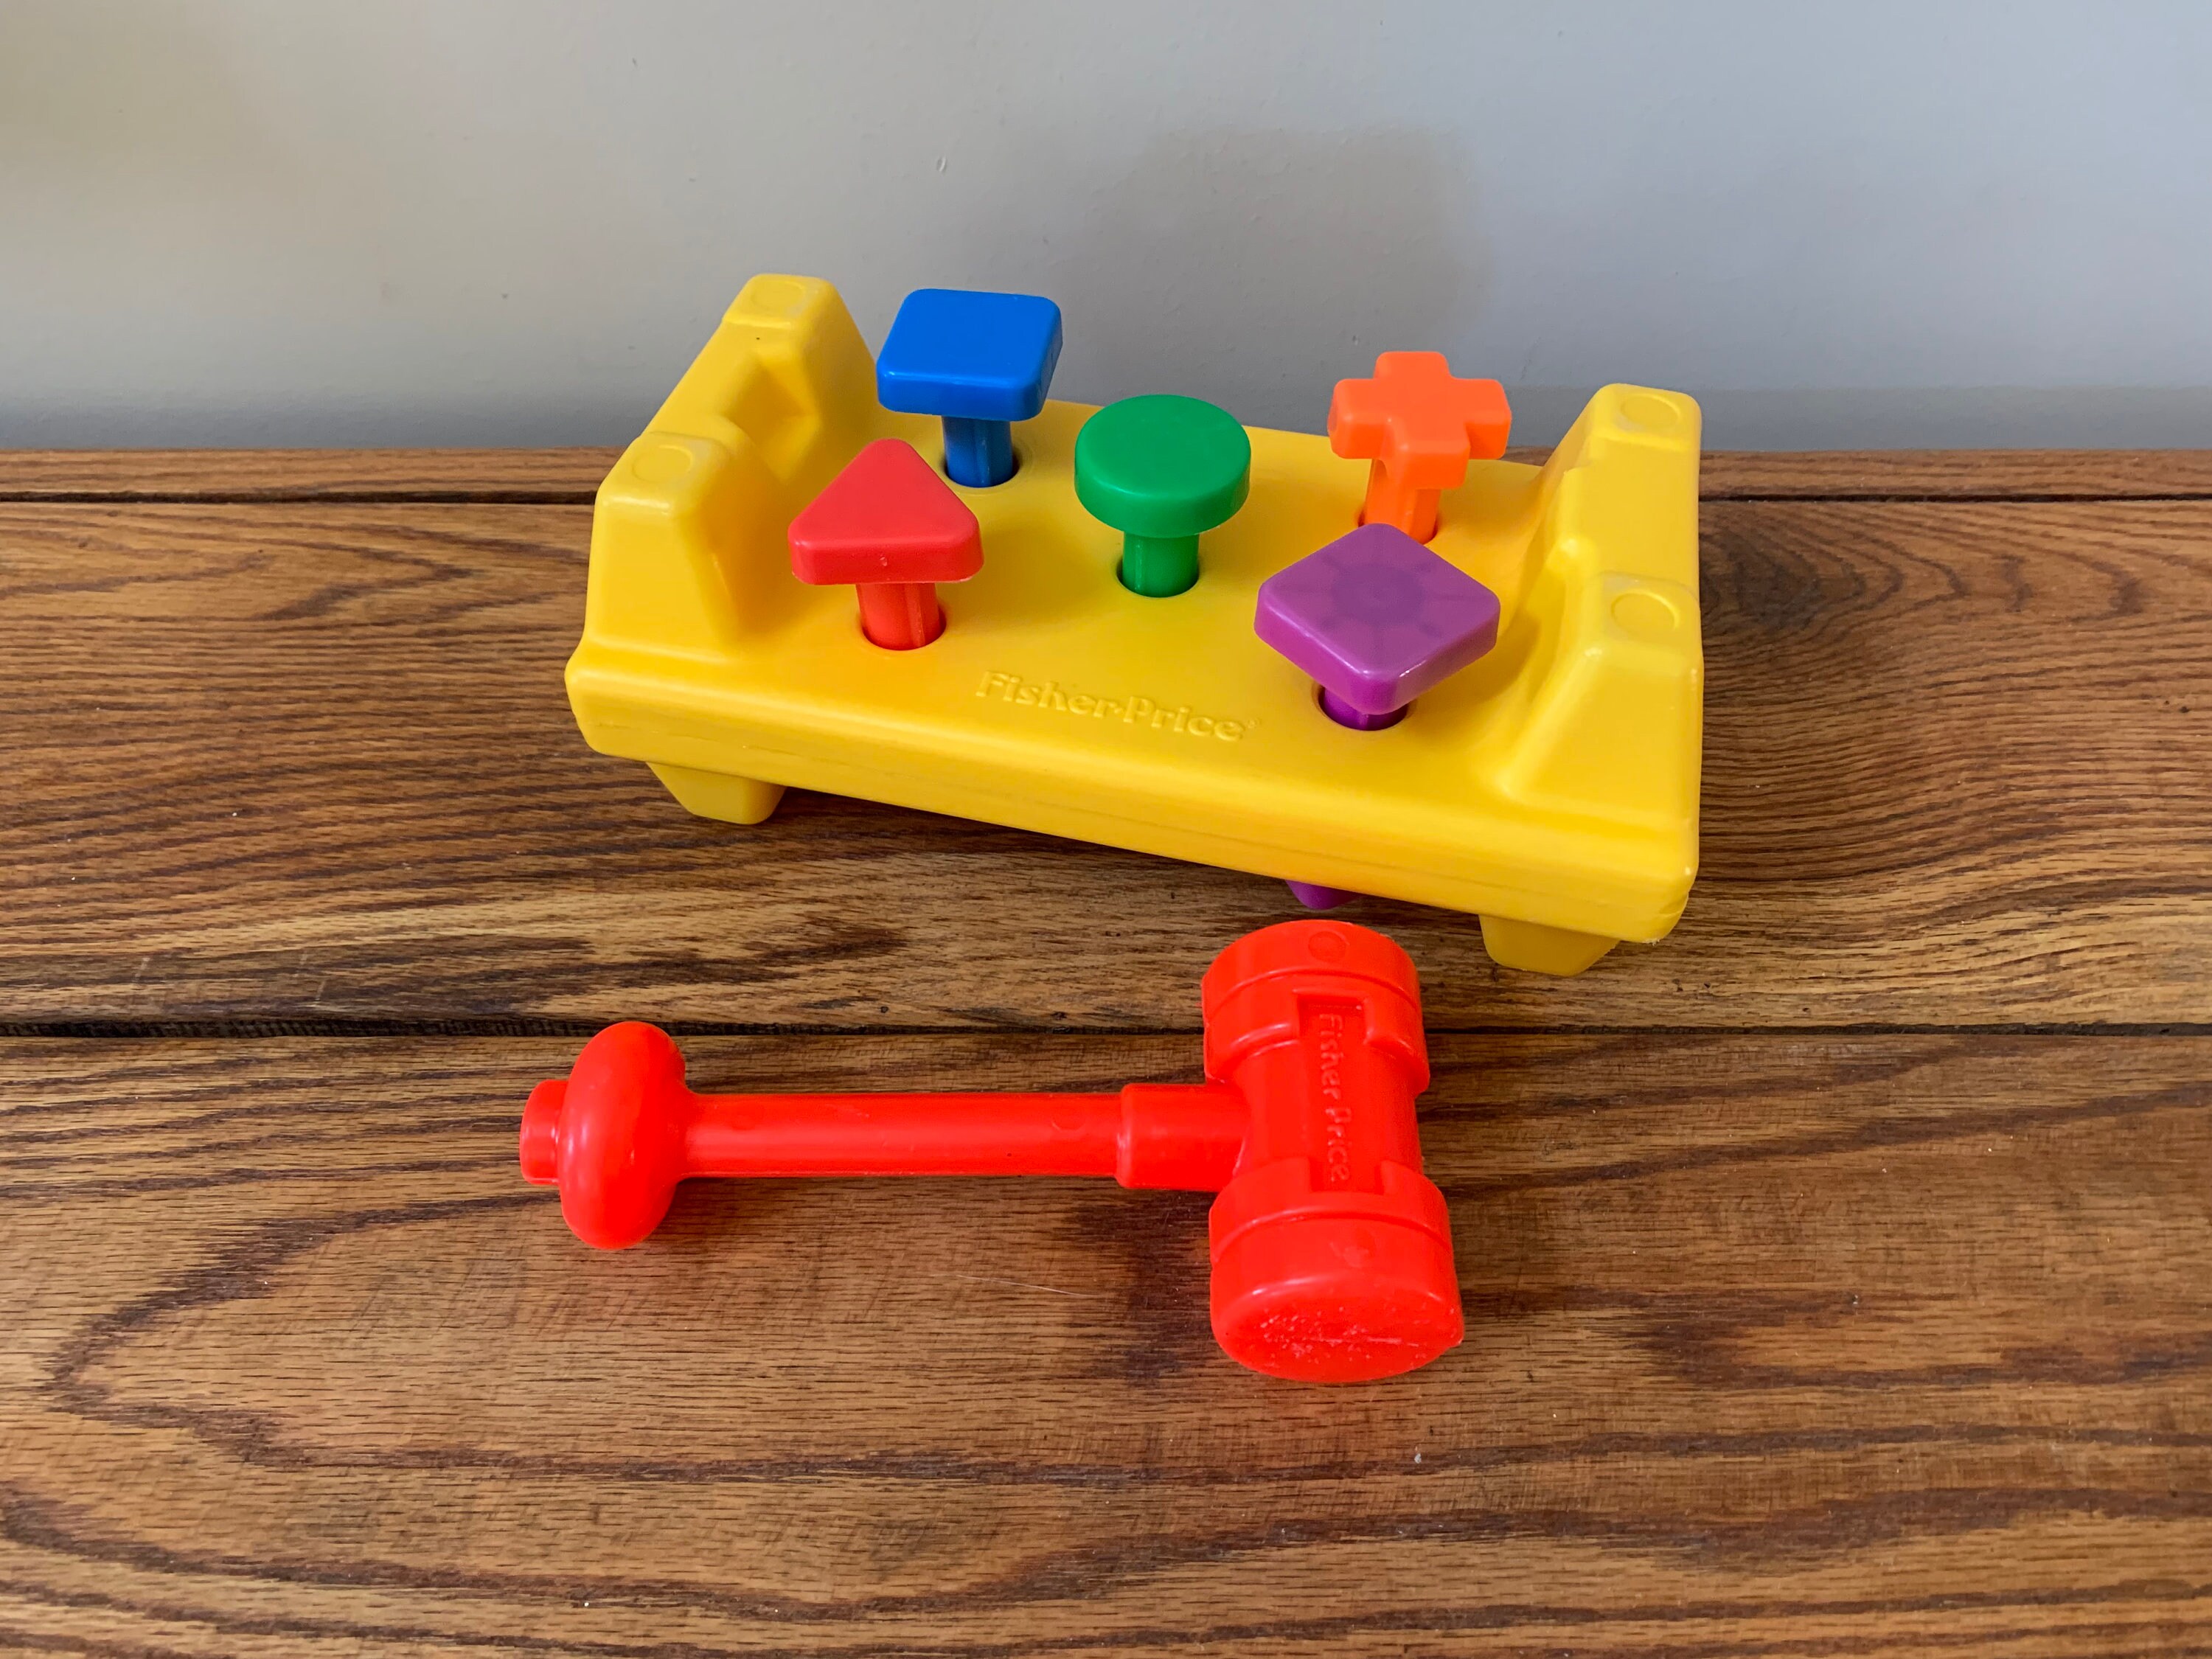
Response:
column 1391, row 501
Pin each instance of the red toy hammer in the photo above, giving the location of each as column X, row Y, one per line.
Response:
column 1332, row 1252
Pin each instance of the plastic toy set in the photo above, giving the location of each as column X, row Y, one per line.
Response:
column 1383, row 662
column 1387, row 661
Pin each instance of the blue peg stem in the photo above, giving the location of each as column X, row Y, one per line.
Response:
column 978, row 453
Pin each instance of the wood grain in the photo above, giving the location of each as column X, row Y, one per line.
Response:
column 310, row 763
column 1958, row 475
column 572, row 475
column 569, row 476
column 1838, row 1271
column 1799, row 1344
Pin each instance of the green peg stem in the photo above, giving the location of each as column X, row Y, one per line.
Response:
column 1159, row 567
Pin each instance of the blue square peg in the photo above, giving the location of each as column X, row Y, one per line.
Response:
column 978, row 361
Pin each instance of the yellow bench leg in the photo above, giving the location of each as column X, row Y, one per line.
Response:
column 718, row 795
column 1540, row 950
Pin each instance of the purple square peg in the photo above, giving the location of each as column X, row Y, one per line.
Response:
column 1377, row 619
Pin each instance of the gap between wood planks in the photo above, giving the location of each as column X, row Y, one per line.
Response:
column 571, row 476
column 250, row 1029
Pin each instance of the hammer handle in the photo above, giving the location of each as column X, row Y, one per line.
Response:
column 1185, row 1136
column 942, row 1135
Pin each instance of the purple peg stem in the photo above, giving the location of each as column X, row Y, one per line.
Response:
column 1345, row 714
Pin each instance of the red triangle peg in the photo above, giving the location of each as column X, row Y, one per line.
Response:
column 890, row 527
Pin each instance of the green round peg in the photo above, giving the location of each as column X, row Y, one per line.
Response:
column 1161, row 470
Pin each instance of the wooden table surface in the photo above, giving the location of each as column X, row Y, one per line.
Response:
column 1838, row 1272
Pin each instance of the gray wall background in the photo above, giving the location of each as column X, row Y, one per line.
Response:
column 496, row 222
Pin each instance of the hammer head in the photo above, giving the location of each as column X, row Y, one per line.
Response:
column 1332, row 1252
column 612, row 1136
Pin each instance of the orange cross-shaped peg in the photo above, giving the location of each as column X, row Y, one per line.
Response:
column 1420, row 426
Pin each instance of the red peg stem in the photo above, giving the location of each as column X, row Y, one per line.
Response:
column 900, row 615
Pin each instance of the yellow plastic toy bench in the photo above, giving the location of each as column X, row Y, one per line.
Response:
column 1550, row 788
